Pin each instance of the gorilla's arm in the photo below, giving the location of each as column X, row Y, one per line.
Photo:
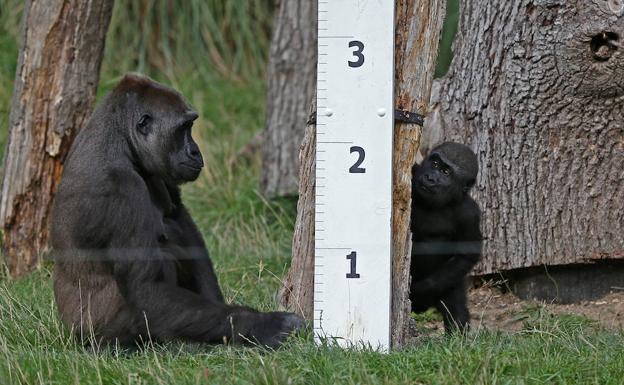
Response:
column 466, row 253
column 193, row 254
column 448, row 276
column 184, row 242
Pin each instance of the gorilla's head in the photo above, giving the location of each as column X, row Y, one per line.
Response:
column 158, row 122
column 446, row 175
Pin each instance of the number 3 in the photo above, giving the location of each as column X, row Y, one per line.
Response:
column 358, row 53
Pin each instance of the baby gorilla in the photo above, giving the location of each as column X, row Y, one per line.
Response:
column 445, row 232
column 131, row 265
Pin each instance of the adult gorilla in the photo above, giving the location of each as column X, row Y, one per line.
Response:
column 131, row 264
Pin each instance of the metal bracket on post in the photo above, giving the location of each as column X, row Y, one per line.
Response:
column 399, row 116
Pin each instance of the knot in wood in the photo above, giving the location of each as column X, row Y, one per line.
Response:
column 604, row 44
column 616, row 6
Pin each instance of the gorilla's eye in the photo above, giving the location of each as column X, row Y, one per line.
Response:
column 446, row 170
column 435, row 163
column 142, row 124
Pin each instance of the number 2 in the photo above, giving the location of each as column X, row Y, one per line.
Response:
column 358, row 53
column 356, row 169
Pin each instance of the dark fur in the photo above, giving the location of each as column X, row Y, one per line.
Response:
column 132, row 265
column 445, row 232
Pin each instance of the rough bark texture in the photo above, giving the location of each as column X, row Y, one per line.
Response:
column 297, row 292
column 537, row 89
column 418, row 26
column 55, row 84
column 291, row 84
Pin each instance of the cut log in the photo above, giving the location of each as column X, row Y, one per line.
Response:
column 418, row 26
column 536, row 88
column 55, row 84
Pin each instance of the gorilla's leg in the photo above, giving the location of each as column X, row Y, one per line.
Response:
column 168, row 312
column 421, row 302
column 454, row 309
column 123, row 330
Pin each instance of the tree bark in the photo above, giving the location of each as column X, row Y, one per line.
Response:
column 291, row 84
column 537, row 89
column 55, row 84
column 418, row 27
column 297, row 292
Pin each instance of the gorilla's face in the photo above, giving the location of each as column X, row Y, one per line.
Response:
column 185, row 160
column 436, row 182
column 161, row 137
column 440, row 182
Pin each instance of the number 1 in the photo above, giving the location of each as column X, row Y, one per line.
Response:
column 352, row 257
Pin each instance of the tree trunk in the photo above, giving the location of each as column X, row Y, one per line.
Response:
column 291, row 84
column 55, row 84
column 418, row 26
column 297, row 293
column 536, row 88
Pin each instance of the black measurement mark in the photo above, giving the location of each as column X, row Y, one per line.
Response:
column 353, row 258
column 356, row 169
column 358, row 53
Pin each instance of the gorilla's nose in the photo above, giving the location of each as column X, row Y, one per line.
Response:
column 195, row 155
column 191, row 115
column 193, row 152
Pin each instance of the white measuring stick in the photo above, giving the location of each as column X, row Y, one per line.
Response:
column 355, row 120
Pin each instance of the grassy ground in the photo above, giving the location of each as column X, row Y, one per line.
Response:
column 249, row 240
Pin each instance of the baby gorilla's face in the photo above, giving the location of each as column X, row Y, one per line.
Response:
column 437, row 181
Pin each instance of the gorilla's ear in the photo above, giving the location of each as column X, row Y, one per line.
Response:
column 469, row 185
column 143, row 125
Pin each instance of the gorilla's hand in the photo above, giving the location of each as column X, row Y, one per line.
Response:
column 423, row 286
column 275, row 328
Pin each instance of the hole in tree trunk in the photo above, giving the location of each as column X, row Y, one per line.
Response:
column 604, row 45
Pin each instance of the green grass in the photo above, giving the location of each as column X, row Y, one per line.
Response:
column 249, row 239
column 35, row 348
